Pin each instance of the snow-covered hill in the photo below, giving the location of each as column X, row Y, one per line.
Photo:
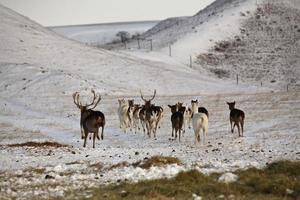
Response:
column 267, row 48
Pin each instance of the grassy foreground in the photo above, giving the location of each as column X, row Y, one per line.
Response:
column 279, row 180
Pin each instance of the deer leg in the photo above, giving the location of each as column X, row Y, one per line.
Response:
column 231, row 125
column 180, row 134
column 239, row 129
column 242, row 126
column 234, row 125
column 189, row 122
column 198, row 136
column 98, row 134
column 204, row 136
column 102, row 131
column 148, row 129
column 172, row 131
column 82, row 131
column 85, row 137
column 94, row 138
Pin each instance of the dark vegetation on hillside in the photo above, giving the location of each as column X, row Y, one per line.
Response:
column 267, row 48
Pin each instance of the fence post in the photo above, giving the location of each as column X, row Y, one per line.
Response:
column 170, row 50
column 237, row 79
column 191, row 62
column 287, row 87
column 138, row 41
column 261, row 83
column 151, row 45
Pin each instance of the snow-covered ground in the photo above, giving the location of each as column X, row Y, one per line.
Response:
column 40, row 70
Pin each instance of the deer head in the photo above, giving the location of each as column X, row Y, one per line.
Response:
column 147, row 102
column 231, row 105
column 174, row 108
column 130, row 102
column 194, row 105
column 85, row 107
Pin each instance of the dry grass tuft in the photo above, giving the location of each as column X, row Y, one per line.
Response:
column 157, row 161
column 38, row 144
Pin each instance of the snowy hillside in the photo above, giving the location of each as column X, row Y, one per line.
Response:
column 266, row 50
column 196, row 32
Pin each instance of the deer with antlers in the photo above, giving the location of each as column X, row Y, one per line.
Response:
column 90, row 120
column 150, row 115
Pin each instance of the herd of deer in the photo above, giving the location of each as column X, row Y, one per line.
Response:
column 148, row 117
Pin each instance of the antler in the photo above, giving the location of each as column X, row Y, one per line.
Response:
column 99, row 98
column 93, row 99
column 76, row 96
column 142, row 96
column 153, row 95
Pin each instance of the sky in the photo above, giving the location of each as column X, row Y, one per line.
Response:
column 72, row 12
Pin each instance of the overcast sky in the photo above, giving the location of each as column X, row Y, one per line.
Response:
column 67, row 12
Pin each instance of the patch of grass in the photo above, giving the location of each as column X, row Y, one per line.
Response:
column 96, row 166
column 275, row 179
column 269, row 183
column 157, row 161
column 38, row 170
column 118, row 165
column 38, row 144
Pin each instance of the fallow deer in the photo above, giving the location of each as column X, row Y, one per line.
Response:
column 160, row 113
column 187, row 116
column 136, row 117
column 199, row 121
column 90, row 120
column 177, row 120
column 237, row 117
column 123, row 114
column 84, row 110
column 130, row 113
column 92, row 124
column 150, row 115
column 201, row 109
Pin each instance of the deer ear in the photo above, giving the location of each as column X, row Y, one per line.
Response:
column 170, row 106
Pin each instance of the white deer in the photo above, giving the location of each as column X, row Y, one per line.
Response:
column 123, row 114
column 199, row 121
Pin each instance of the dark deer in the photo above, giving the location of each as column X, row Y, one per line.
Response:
column 87, row 115
column 84, row 110
column 149, row 115
column 237, row 117
column 177, row 120
column 92, row 124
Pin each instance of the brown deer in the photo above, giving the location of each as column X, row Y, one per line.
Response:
column 237, row 117
column 92, row 124
column 149, row 114
column 89, row 119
